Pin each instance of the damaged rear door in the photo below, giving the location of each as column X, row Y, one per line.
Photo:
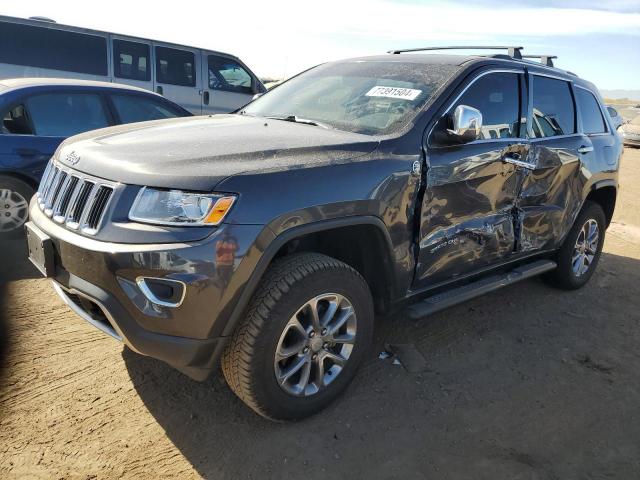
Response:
column 549, row 196
column 467, row 217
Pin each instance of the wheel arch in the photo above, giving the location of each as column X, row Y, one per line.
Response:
column 604, row 193
column 322, row 237
column 20, row 176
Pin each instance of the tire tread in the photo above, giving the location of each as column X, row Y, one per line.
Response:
column 277, row 282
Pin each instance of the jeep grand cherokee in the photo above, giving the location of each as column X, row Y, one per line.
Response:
column 267, row 240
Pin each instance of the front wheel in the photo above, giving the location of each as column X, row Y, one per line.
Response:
column 578, row 257
column 307, row 329
column 14, row 206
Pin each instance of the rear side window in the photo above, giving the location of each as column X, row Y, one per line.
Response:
column 66, row 114
column 612, row 111
column 592, row 121
column 553, row 109
column 497, row 96
column 54, row 49
column 131, row 60
column 228, row 75
column 175, row 67
column 132, row 109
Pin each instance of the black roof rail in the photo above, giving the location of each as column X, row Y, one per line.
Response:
column 513, row 52
column 544, row 59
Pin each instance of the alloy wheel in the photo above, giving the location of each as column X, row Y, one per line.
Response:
column 315, row 345
column 585, row 248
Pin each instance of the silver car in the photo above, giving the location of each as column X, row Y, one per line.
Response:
column 630, row 132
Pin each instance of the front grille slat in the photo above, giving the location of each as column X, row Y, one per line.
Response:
column 58, row 191
column 60, row 212
column 98, row 205
column 74, row 199
column 45, row 177
column 81, row 201
column 51, row 186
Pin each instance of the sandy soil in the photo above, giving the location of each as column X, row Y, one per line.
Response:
column 526, row 383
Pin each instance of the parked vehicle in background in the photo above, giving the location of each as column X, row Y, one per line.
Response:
column 268, row 239
column 616, row 118
column 37, row 114
column 630, row 132
column 202, row 81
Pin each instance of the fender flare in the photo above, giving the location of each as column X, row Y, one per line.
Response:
column 291, row 234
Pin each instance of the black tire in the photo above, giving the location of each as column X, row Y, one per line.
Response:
column 248, row 361
column 18, row 190
column 564, row 276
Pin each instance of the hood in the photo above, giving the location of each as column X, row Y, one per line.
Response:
column 196, row 153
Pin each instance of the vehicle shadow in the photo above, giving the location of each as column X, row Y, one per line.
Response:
column 14, row 265
column 14, row 261
column 502, row 396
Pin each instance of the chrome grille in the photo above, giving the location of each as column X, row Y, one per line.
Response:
column 73, row 199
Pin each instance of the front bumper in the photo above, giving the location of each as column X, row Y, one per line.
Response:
column 100, row 282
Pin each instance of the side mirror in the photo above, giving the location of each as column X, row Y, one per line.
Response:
column 467, row 123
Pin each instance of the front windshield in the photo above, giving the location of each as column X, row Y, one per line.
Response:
column 368, row 97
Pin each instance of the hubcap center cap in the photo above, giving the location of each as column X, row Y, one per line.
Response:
column 316, row 343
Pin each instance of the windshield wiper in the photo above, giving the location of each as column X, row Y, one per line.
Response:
column 296, row 119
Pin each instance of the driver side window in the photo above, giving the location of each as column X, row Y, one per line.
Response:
column 497, row 96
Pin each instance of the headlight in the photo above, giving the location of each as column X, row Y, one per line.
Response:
column 175, row 207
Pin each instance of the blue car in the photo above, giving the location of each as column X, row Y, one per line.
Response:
column 39, row 113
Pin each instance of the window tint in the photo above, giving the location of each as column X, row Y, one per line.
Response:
column 138, row 109
column 592, row 121
column 50, row 48
column 131, row 60
column 228, row 75
column 175, row 67
column 66, row 114
column 553, row 110
column 497, row 96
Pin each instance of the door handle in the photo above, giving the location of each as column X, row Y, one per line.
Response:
column 205, row 97
column 585, row 149
column 516, row 159
column 159, row 89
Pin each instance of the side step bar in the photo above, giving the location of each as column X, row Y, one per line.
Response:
column 485, row 285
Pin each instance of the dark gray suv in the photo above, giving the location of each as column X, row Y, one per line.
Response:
column 267, row 240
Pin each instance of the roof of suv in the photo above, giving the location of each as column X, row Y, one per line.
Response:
column 444, row 59
column 462, row 60
column 424, row 58
column 16, row 83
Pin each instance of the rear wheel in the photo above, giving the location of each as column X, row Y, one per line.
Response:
column 14, row 206
column 578, row 257
column 306, row 331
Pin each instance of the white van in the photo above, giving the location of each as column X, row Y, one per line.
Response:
column 202, row 81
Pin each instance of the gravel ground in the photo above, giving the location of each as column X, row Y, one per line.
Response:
column 525, row 383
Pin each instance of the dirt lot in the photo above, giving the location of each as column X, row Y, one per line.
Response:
column 526, row 383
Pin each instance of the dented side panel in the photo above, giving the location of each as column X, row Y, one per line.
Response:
column 466, row 221
column 550, row 195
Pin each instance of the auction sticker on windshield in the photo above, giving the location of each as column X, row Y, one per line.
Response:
column 394, row 92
